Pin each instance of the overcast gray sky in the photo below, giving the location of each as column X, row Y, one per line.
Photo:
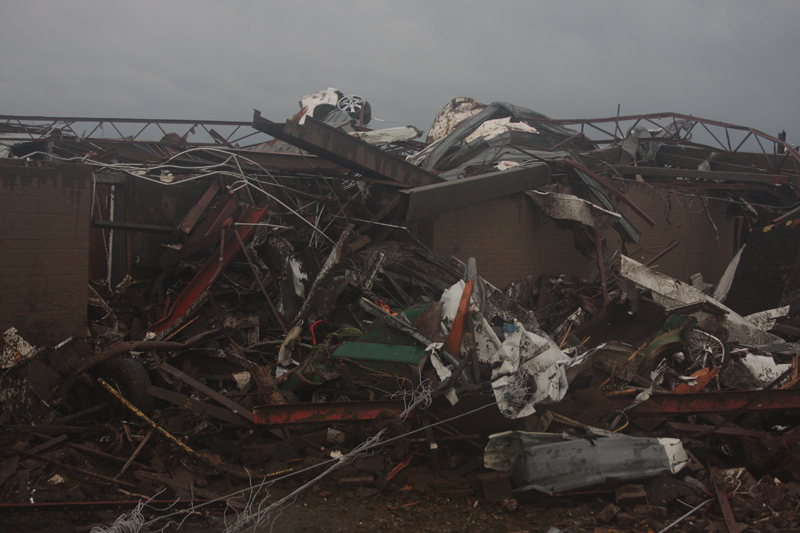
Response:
column 733, row 61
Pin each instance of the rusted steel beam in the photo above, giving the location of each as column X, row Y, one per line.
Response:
column 714, row 402
column 704, row 174
column 341, row 148
column 671, row 246
column 605, row 183
column 431, row 200
column 196, row 289
column 35, row 118
column 211, row 393
column 679, row 427
column 311, row 413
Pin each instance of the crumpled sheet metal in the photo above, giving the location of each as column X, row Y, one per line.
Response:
column 495, row 110
column 554, row 463
column 570, row 207
column 647, row 150
column 670, row 292
column 441, row 370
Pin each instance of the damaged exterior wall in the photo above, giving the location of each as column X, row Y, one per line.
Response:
column 679, row 215
column 512, row 239
column 44, row 249
column 509, row 237
column 152, row 203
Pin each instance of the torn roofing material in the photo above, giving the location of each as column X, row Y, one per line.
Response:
column 550, row 134
column 338, row 146
column 429, row 200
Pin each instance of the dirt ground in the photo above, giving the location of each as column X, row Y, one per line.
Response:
column 330, row 509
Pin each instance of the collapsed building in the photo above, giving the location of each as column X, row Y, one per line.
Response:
column 317, row 284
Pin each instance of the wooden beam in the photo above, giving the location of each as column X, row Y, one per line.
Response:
column 131, row 226
column 214, row 395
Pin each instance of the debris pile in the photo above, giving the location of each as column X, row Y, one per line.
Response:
column 283, row 322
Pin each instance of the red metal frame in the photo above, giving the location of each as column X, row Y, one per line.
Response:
column 789, row 155
column 312, row 413
column 713, row 402
column 215, row 264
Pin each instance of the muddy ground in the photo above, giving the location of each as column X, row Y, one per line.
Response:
column 419, row 499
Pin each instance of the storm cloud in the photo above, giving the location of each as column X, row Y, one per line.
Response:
column 732, row 61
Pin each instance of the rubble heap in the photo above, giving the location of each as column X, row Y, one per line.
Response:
column 284, row 321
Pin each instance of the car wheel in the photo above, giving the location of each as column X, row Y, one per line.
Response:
column 130, row 379
column 353, row 105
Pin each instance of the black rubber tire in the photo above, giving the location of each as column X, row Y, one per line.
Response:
column 130, row 379
column 322, row 110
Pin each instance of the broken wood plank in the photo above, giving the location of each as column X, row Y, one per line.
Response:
column 214, row 395
column 72, row 468
column 197, row 406
column 132, row 459
column 195, row 212
column 49, row 444
column 132, row 226
column 724, row 504
column 49, row 429
column 103, row 455
column 189, row 248
column 64, row 420
column 703, row 377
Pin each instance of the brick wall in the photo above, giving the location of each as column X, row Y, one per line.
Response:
column 511, row 238
column 679, row 215
column 44, row 249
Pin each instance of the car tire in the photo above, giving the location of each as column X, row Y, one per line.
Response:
column 130, row 379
